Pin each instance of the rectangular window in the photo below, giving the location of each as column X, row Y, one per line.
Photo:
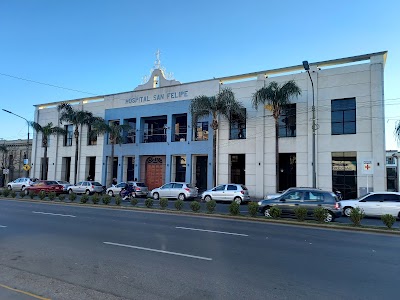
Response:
column 343, row 116
column 130, row 134
column 237, row 128
column 92, row 140
column 68, row 135
column 201, row 133
column 287, row 121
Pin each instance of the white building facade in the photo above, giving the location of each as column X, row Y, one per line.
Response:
column 349, row 105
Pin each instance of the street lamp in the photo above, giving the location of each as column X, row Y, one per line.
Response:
column 27, row 142
column 314, row 175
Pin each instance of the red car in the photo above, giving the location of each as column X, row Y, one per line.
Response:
column 44, row 185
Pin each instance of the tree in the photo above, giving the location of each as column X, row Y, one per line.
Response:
column 4, row 150
column 46, row 131
column 397, row 131
column 78, row 118
column 224, row 104
column 275, row 98
column 114, row 131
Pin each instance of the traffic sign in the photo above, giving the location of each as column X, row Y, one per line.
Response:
column 368, row 167
column 6, row 171
column 27, row 167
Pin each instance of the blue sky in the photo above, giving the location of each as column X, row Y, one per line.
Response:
column 103, row 47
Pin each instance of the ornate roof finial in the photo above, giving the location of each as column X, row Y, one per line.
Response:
column 157, row 63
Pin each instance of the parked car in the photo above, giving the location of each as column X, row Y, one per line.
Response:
column 19, row 184
column 86, row 187
column 140, row 189
column 227, row 192
column 175, row 190
column 46, row 186
column 374, row 204
column 65, row 185
column 303, row 197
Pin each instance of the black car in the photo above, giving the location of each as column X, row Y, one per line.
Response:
column 303, row 197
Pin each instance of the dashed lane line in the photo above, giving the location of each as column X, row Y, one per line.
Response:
column 212, row 231
column 60, row 215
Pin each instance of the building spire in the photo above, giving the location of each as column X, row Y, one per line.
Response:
column 157, row 63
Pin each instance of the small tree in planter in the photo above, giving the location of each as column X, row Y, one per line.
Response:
column 388, row 220
column 84, row 198
column 179, row 204
column 61, row 197
column 42, row 195
column 356, row 215
column 211, row 206
column 118, row 200
column 275, row 212
column 106, row 199
column 95, row 198
column 72, row 197
column 301, row 213
column 134, row 201
column 163, row 203
column 32, row 195
column 195, row 206
column 6, row 192
column 13, row 194
column 21, row 195
column 234, row 208
column 253, row 208
column 320, row 214
column 149, row 202
column 52, row 196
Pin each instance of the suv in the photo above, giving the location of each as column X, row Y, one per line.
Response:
column 176, row 190
column 86, row 187
column 374, row 204
column 19, row 184
column 303, row 197
column 139, row 188
column 227, row 192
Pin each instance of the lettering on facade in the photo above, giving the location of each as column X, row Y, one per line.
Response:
column 157, row 97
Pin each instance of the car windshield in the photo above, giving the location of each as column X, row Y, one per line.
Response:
column 51, row 182
column 189, row 185
column 141, row 184
column 95, row 183
column 63, row 182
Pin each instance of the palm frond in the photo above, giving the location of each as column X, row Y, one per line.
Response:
column 3, row 148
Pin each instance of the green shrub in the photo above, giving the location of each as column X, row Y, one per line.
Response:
column 31, row 195
column 234, row 208
column 149, row 203
column 6, row 192
column 320, row 214
column 301, row 213
column 106, row 199
column 388, row 220
column 252, row 208
column 118, row 200
column 275, row 212
column 22, row 194
column 163, row 203
column 72, row 197
column 95, row 198
column 84, row 198
column 61, row 197
column 42, row 195
column 210, row 205
column 13, row 194
column 195, row 206
column 179, row 204
column 52, row 196
column 356, row 215
column 134, row 201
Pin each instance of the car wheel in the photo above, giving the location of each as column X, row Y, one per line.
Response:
column 181, row 197
column 9, row 188
column 110, row 193
column 207, row 198
column 267, row 212
column 23, row 188
column 329, row 217
column 347, row 211
column 87, row 192
column 70, row 191
column 238, row 200
column 26, row 192
column 156, row 196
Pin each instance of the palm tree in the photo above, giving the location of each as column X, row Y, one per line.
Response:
column 224, row 104
column 397, row 131
column 276, row 97
column 46, row 131
column 78, row 118
column 115, row 135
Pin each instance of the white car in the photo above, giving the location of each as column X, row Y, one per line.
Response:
column 19, row 184
column 140, row 189
column 227, row 192
column 374, row 204
column 175, row 190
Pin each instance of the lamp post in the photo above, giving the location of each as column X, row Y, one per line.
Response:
column 27, row 142
column 314, row 175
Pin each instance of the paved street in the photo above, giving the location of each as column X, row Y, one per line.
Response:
column 63, row 252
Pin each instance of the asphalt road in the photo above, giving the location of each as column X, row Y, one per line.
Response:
column 64, row 252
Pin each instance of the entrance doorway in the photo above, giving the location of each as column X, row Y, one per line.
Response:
column 66, row 168
column 130, row 169
column 287, row 170
column 238, row 164
column 155, row 168
column 91, row 164
column 201, row 172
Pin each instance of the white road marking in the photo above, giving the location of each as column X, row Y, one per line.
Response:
column 212, row 231
column 61, row 215
column 2, row 226
column 159, row 251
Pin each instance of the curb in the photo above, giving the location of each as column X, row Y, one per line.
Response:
column 365, row 229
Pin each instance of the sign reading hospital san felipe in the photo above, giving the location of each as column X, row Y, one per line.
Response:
column 157, row 97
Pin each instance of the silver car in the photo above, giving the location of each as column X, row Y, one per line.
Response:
column 175, row 190
column 19, row 184
column 140, row 189
column 227, row 192
column 65, row 185
column 86, row 187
